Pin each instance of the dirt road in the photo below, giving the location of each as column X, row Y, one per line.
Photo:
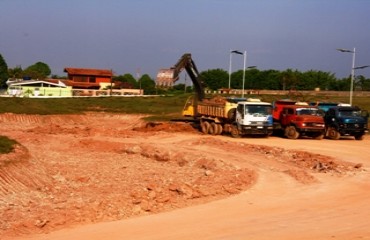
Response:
column 102, row 176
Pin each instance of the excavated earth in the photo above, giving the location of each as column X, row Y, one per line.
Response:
column 75, row 170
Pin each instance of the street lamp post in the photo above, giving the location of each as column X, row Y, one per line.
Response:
column 231, row 52
column 352, row 70
column 245, row 62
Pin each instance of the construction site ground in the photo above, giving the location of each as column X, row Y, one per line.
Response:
column 113, row 176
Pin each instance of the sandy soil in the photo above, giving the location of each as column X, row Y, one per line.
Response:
column 106, row 176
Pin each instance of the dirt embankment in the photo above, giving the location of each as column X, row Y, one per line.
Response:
column 79, row 169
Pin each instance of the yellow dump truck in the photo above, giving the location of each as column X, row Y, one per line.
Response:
column 237, row 116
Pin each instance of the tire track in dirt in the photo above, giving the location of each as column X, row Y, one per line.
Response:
column 19, row 173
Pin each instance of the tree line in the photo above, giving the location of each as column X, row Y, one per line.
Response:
column 213, row 79
column 281, row 80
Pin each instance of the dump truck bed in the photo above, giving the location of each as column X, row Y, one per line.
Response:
column 212, row 110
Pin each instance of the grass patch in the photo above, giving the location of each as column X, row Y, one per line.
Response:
column 158, row 108
column 6, row 144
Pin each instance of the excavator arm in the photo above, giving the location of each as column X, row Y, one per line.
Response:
column 166, row 77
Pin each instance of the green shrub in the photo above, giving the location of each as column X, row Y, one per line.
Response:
column 6, row 144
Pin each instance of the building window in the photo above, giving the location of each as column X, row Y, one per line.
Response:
column 80, row 79
column 93, row 79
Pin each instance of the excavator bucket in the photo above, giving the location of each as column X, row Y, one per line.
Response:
column 166, row 77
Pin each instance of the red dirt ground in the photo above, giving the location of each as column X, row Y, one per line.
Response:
column 77, row 170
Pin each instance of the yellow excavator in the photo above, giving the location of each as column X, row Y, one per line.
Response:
column 237, row 116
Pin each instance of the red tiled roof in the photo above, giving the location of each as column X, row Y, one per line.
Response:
column 76, row 84
column 88, row 71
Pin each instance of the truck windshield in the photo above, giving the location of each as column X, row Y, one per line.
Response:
column 258, row 110
column 307, row 111
column 349, row 113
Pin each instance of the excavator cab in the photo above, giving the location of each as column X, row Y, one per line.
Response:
column 188, row 110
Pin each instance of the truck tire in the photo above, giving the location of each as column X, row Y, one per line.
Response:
column 226, row 128
column 219, row 129
column 319, row 137
column 333, row 133
column 213, row 128
column 231, row 114
column 359, row 137
column 291, row 132
column 205, row 127
column 235, row 132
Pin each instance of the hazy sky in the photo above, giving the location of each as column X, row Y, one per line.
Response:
column 127, row 35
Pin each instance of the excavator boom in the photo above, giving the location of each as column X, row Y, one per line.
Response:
column 166, row 77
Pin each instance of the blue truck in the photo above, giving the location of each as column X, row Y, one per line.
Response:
column 346, row 121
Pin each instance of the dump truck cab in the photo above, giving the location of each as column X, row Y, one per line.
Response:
column 254, row 117
column 346, row 121
column 297, row 119
column 302, row 121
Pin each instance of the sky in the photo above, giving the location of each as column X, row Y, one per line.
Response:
column 143, row 36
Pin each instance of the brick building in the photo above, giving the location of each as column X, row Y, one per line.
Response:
column 85, row 78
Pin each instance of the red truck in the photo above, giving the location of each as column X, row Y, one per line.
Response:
column 296, row 119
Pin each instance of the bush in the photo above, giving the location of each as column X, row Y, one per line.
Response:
column 6, row 144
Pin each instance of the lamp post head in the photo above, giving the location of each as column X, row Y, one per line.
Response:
column 237, row 52
column 344, row 50
column 362, row 67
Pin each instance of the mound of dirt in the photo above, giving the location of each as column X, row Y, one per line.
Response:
column 167, row 127
column 79, row 169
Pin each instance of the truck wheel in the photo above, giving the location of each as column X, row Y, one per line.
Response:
column 291, row 132
column 333, row 133
column 219, row 129
column 235, row 132
column 231, row 114
column 359, row 137
column 226, row 128
column 319, row 137
column 213, row 129
column 205, row 127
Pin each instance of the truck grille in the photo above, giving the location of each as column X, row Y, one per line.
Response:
column 259, row 123
column 354, row 125
column 313, row 124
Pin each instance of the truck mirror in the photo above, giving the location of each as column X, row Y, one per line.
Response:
column 364, row 113
column 321, row 112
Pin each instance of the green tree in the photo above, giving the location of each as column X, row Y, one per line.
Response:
column 147, row 84
column 125, row 81
column 3, row 72
column 236, row 80
column 289, row 79
column 215, row 79
column 131, row 80
column 252, row 79
column 268, row 79
column 341, row 84
column 315, row 79
column 362, row 83
column 38, row 70
column 16, row 72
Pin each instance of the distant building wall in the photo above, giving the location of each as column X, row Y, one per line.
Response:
column 282, row 92
column 29, row 91
column 88, row 78
column 113, row 92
